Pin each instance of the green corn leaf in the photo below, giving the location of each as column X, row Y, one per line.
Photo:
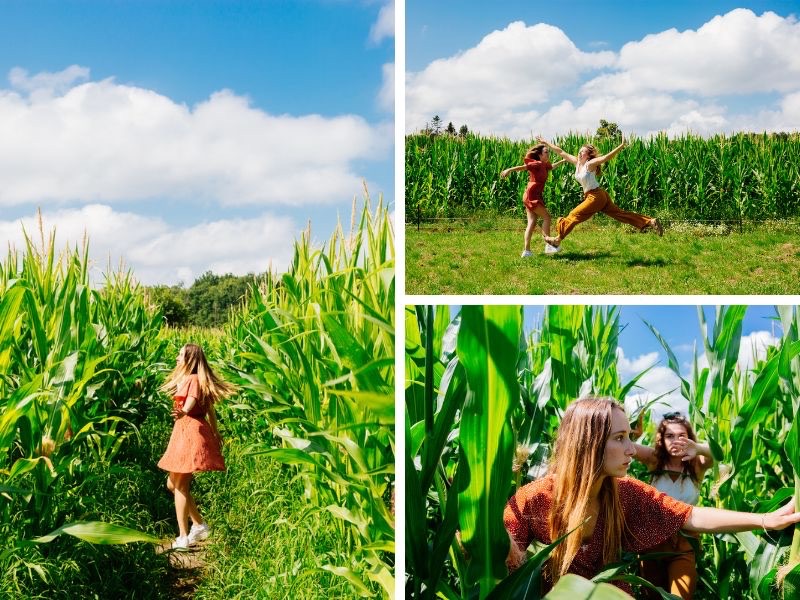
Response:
column 98, row 532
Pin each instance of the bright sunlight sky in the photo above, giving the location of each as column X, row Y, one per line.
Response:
column 518, row 70
column 189, row 136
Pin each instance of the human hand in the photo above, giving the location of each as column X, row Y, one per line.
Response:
column 505, row 172
column 177, row 413
column 781, row 518
column 690, row 450
column 541, row 140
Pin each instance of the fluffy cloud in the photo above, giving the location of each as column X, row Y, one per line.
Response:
column 735, row 53
column 658, row 381
column 509, row 70
column 384, row 27
column 101, row 141
column 159, row 253
column 526, row 80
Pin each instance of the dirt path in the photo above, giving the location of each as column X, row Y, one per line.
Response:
column 186, row 569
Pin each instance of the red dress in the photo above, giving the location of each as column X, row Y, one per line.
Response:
column 651, row 517
column 192, row 446
column 537, row 171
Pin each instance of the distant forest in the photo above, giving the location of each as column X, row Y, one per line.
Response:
column 206, row 303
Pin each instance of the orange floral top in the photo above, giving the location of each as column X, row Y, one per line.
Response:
column 651, row 517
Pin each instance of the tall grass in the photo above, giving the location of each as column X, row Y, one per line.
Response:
column 743, row 176
column 313, row 351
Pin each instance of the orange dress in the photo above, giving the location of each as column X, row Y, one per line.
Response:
column 192, row 446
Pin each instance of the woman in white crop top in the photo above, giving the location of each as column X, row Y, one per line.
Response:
column 588, row 165
column 677, row 465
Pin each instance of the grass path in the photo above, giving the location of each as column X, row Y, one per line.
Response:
column 600, row 257
column 185, row 569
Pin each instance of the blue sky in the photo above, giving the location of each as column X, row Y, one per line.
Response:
column 190, row 136
column 680, row 327
column 705, row 67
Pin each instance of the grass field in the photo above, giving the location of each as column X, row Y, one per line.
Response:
column 600, row 257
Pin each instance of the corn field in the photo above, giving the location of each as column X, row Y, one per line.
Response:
column 311, row 350
column 743, row 176
column 484, row 399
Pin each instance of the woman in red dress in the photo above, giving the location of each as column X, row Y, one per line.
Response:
column 195, row 443
column 537, row 164
column 586, row 490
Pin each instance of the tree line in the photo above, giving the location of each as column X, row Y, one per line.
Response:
column 206, row 303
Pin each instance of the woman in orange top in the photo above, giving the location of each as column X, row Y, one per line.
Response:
column 195, row 443
column 586, row 488
column 537, row 163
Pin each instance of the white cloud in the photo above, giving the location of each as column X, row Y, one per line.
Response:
column 528, row 80
column 159, row 253
column 384, row 27
column 386, row 93
column 512, row 70
column 735, row 53
column 101, row 141
column 656, row 382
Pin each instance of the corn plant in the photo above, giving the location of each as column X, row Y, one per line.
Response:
column 742, row 176
column 77, row 374
column 481, row 367
column 313, row 352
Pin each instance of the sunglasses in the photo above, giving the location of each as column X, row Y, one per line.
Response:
column 673, row 415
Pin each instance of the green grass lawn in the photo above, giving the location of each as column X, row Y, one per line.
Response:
column 602, row 257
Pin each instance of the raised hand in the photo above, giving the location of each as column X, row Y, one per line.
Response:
column 781, row 518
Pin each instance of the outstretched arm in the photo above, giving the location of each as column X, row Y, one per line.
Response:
column 562, row 161
column 505, row 172
column 704, row 519
column 565, row 155
column 599, row 160
column 646, row 455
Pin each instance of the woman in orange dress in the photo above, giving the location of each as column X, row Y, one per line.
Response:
column 586, row 490
column 195, row 443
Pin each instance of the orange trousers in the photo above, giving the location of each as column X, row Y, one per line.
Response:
column 595, row 201
column 676, row 574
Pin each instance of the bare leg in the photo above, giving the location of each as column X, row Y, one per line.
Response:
column 191, row 506
column 180, row 483
column 530, row 228
column 542, row 212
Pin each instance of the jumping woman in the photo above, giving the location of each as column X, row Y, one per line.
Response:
column 586, row 488
column 195, row 443
column 677, row 463
column 537, row 163
column 588, row 166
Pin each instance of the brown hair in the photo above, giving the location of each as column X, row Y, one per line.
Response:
column 212, row 388
column 690, row 467
column 576, row 465
column 535, row 153
column 598, row 170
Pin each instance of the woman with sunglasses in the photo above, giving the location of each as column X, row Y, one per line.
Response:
column 677, row 464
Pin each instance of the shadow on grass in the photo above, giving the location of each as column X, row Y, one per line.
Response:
column 577, row 256
column 647, row 262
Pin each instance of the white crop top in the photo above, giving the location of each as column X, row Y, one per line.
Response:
column 684, row 489
column 586, row 178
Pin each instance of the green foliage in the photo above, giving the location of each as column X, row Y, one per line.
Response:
column 173, row 303
column 753, row 176
column 313, row 351
column 609, row 131
column 211, row 296
column 749, row 419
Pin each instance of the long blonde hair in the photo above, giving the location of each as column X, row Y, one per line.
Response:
column 577, row 463
column 212, row 388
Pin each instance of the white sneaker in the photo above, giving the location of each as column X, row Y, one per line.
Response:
column 548, row 249
column 526, row 254
column 181, row 543
column 198, row 533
